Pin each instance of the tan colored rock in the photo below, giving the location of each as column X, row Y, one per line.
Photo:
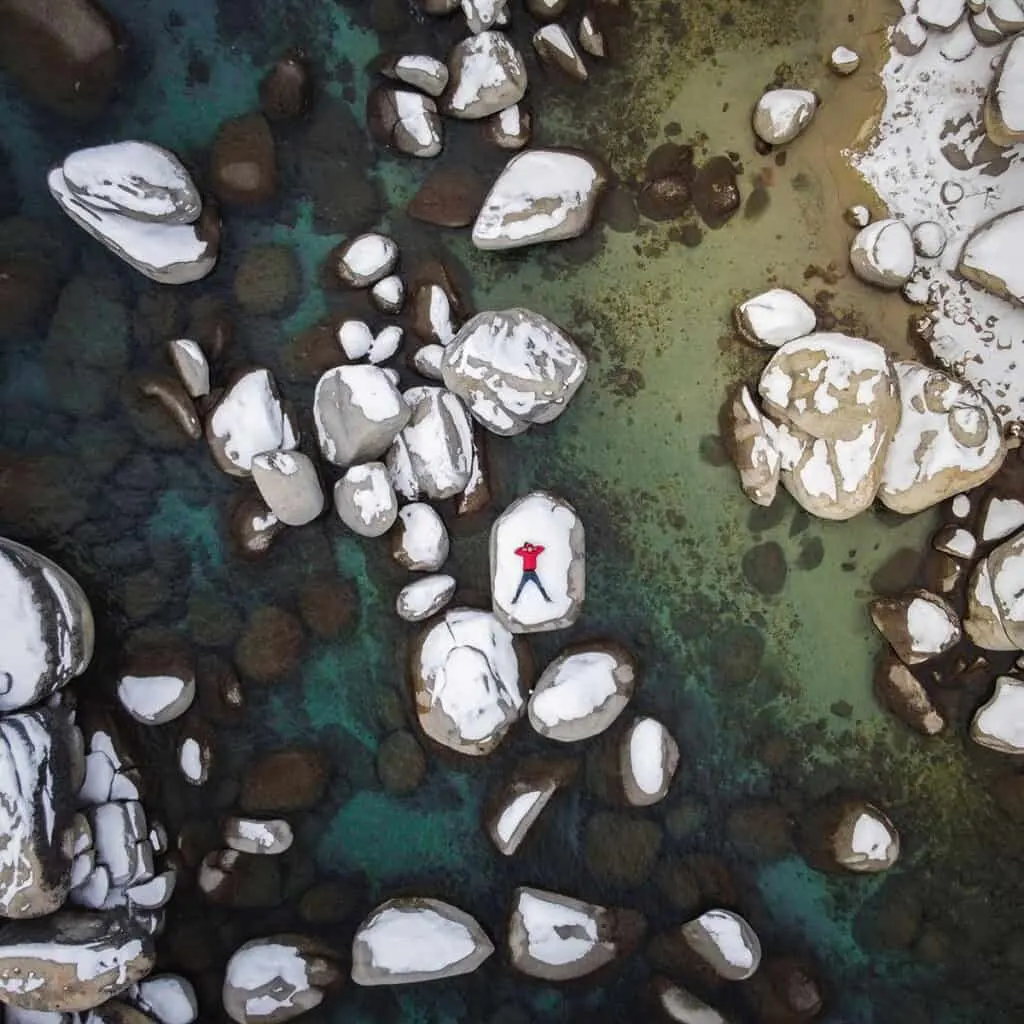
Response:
column 991, row 257
column 982, row 621
column 899, row 690
column 999, row 723
column 1004, row 104
column 755, row 448
column 864, row 840
column 919, row 625
column 1006, row 570
column 949, row 440
column 726, row 942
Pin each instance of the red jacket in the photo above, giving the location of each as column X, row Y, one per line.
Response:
column 529, row 556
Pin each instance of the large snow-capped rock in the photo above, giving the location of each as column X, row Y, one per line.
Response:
column 271, row 980
column 136, row 179
column 72, row 961
column 513, row 369
column 1004, row 105
column 365, row 499
column 433, row 453
column 40, row 768
column 754, row 444
column 468, row 682
column 837, row 400
column 46, row 626
column 775, row 317
column 648, row 758
column 538, row 564
column 882, row 254
column 558, row 938
column 780, row 115
column 991, row 256
column 582, row 692
column 249, row 418
column 167, row 252
column 413, row 939
column 486, row 73
column 358, row 412
column 948, row 440
column 999, row 722
column 542, row 195
column 726, row 942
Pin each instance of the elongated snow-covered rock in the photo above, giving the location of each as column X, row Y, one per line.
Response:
column 46, row 627
column 558, row 938
column 248, row 419
column 468, row 680
column 365, row 500
column 755, row 448
column 775, row 317
column 919, row 625
column 948, row 440
column 424, row 597
column 538, row 564
column 277, row 978
column 72, row 961
column 37, row 749
column 726, row 941
column 522, row 800
column 999, row 722
column 648, row 758
column 405, row 121
column 782, row 114
column 433, row 454
column 135, row 179
column 554, row 46
column 582, row 692
column 513, row 369
column 252, row 835
column 167, row 253
column 358, row 413
column 991, row 256
column 420, row 543
column 413, row 939
column 486, row 73
column 191, row 365
column 542, row 195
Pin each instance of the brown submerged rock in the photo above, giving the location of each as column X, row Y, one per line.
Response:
column 26, row 288
column 287, row 89
column 267, row 280
column 63, row 53
column 899, row 690
column 271, row 645
column 243, row 168
column 451, row 197
column 716, row 194
column 401, row 763
column 253, row 526
column 621, row 850
column 665, row 198
column 286, row 780
column 329, row 606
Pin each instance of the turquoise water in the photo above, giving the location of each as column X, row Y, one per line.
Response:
column 91, row 476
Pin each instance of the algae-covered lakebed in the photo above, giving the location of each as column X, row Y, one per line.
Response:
column 749, row 625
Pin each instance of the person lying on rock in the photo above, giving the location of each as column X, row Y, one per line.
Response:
column 529, row 553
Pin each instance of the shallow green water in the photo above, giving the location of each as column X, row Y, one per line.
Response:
column 112, row 495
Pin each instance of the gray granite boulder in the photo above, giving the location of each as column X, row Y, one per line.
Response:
column 486, row 73
column 365, row 500
column 289, row 484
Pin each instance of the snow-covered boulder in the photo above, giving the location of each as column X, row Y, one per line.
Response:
column 999, row 722
column 288, row 482
column 355, row 338
column 271, row 980
column 554, row 46
column 1006, row 571
column 1000, row 517
column 421, row 71
column 754, row 445
column 726, row 942
column 983, row 619
column 648, row 758
column 154, row 893
column 164, row 251
column 71, row 962
column 258, row 836
column 468, row 680
column 38, row 750
column 195, row 753
column 388, row 294
column 424, row 597
column 542, row 195
column 948, row 440
column 582, row 692
column 919, row 625
column 168, row 998
column 782, row 114
column 120, row 832
column 433, row 454
column 558, row 938
column 414, row 939
column 941, row 15
column 991, row 256
column 882, row 254
column 929, row 239
column 521, row 802
column 386, row 344
column 682, row 1006
column 514, row 369
column 420, row 541
column 366, row 259
column 511, row 128
column 775, row 317
column 358, row 412
column 1004, row 105
column 427, row 361
column 486, row 73
column 405, row 121
column 46, row 626
column 249, row 418
column 365, row 500
column 157, row 683
column 538, row 564
column 134, row 179
column 192, row 367
column 959, row 542
column 863, row 839
column 844, row 61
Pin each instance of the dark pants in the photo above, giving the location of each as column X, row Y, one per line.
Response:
column 530, row 576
